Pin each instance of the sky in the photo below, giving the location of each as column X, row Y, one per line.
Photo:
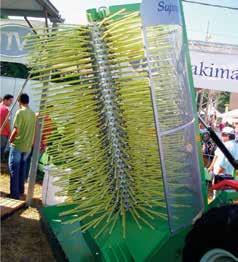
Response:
column 221, row 24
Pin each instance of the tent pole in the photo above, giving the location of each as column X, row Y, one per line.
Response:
column 30, row 25
column 37, row 142
column 34, row 161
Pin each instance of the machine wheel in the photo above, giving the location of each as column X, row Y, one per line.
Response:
column 215, row 233
column 217, row 254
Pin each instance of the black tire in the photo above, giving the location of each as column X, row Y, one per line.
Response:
column 218, row 228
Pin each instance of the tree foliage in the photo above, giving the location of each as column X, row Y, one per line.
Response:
column 14, row 70
column 223, row 99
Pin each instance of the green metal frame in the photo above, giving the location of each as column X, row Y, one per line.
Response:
column 192, row 92
column 43, row 161
column 97, row 15
column 139, row 245
column 146, row 245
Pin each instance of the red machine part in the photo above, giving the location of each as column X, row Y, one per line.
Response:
column 226, row 184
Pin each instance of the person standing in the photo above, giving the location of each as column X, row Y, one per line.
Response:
column 21, row 141
column 220, row 164
column 5, row 128
column 236, row 131
column 208, row 149
column 220, row 167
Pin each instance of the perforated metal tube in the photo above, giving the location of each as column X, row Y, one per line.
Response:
column 118, row 179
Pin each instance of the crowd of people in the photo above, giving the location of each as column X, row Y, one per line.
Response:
column 20, row 140
column 220, row 166
column 215, row 161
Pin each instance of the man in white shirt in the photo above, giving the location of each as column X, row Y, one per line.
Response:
column 220, row 164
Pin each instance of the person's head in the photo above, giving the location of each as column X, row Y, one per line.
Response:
column 7, row 100
column 206, row 136
column 24, row 99
column 201, row 126
column 236, row 125
column 228, row 133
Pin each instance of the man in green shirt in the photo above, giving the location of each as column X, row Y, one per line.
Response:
column 21, row 141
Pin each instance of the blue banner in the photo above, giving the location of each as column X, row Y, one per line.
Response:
column 13, row 40
column 161, row 12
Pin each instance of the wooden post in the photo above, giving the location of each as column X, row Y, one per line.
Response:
column 201, row 101
column 34, row 161
column 36, row 150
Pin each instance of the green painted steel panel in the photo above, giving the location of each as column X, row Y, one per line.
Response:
column 73, row 245
column 139, row 245
column 97, row 15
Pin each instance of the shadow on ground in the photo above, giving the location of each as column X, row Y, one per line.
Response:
column 22, row 238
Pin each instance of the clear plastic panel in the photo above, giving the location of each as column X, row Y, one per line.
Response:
column 182, row 176
column 169, row 76
column 175, row 123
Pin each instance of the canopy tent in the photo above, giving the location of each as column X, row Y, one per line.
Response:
column 233, row 113
column 26, row 8
column 211, row 111
column 14, row 32
column 230, row 117
column 31, row 8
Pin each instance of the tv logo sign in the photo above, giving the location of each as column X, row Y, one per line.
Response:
column 13, row 40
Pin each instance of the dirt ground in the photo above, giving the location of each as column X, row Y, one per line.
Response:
column 22, row 238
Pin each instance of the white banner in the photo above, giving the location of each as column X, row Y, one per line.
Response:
column 215, row 71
